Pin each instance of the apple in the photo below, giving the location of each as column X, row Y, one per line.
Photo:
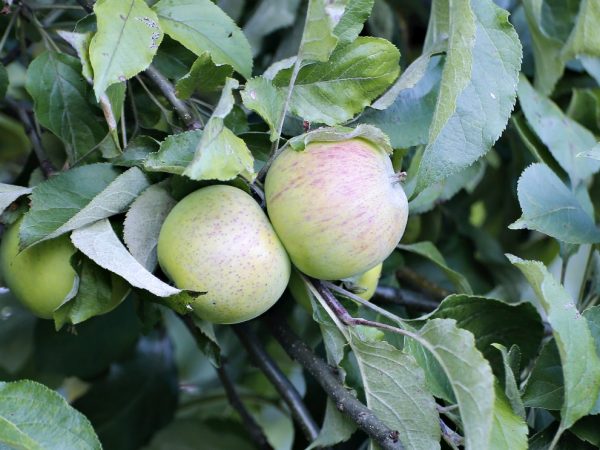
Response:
column 338, row 207
column 363, row 285
column 41, row 276
column 217, row 240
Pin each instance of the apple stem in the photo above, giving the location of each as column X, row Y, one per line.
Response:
column 399, row 177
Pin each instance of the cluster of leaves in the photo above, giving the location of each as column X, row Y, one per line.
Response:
column 140, row 102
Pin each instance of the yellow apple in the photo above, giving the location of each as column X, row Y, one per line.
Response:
column 218, row 240
column 338, row 207
column 40, row 276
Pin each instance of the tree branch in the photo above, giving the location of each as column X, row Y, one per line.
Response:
column 167, row 89
column 253, row 428
column 345, row 402
column 273, row 373
column 404, row 297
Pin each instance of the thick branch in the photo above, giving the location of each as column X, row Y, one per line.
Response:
column 404, row 297
column 253, row 428
column 345, row 402
column 167, row 89
column 285, row 388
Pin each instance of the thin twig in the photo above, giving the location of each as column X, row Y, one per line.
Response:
column 167, row 89
column 36, row 141
column 404, row 297
column 281, row 383
column 250, row 424
column 421, row 283
column 345, row 402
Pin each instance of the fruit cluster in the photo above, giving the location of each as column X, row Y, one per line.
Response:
column 336, row 210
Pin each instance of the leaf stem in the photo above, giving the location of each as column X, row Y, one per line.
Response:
column 556, row 438
column 167, row 89
column 286, row 389
column 345, row 402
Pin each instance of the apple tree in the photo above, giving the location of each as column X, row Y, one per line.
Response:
column 299, row 224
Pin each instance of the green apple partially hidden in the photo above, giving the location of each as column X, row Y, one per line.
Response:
column 41, row 276
column 363, row 285
column 217, row 240
column 338, row 207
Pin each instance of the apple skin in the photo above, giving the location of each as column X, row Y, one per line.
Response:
column 337, row 207
column 219, row 241
column 41, row 276
column 365, row 282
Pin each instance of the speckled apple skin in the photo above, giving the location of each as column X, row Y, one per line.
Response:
column 39, row 277
column 337, row 207
column 217, row 240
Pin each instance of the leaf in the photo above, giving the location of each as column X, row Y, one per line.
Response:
column 549, row 65
column 592, row 315
column 204, row 76
column 551, row 208
column 407, row 120
column 335, row 91
column 61, row 104
column 201, row 26
column 9, row 193
column 356, row 12
column 511, row 387
column 99, row 242
column 336, row 428
column 81, row 43
column 593, row 153
column 367, row 132
column 318, row 39
column 260, row 96
column 3, row 81
column 584, row 39
column 221, row 155
column 98, row 292
column 126, row 41
column 79, row 197
column 493, row 323
column 175, row 153
column 545, row 386
column 509, row 431
column 429, row 251
column 143, row 223
column 137, row 397
column 35, row 417
column 581, row 365
column 564, row 137
column 395, row 391
column 469, row 375
column 477, row 92
column 136, row 152
column 267, row 17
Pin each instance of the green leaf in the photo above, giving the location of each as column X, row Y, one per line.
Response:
column 564, row 137
column 366, row 132
column 593, row 153
column 549, row 65
column 143, row 223
column 99, row 242
column 592, row 315
column 318, row 39
column 477, row 92
column 395, row 391
column 221, row 155
column 581, row 365
column 79, row 197
column 266, row 100
column 469, row 375
column 429, row 251
column 204, row 76
column 3, row 81
column 175, row 153
column 551, row 208
column 201, row 26
column 545, row 386
column 335, row 91
column 336, row 428
column 511, row 387
column 127, row 39
column 267, row 17
column 99, row 292
column 351, row 23
column 584, row 39
column 61, row 104
column 407, row 120
column 9, row 193
column 81, row 43
column 509, row 431
column 34, row 417
column 136, row 152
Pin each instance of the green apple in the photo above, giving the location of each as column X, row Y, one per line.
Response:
column 218, row 240
column 338, row 207
column 363, row 285
column 40, row 276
